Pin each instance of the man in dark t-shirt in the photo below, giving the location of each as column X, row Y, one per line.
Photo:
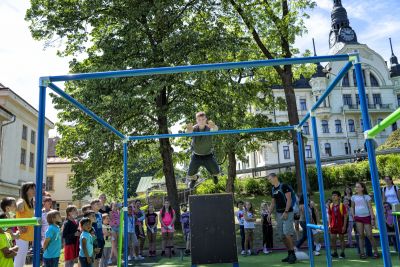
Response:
column 282, row 203
column 202, row 149
column 104, row 208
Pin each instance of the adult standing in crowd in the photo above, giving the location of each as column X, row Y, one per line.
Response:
column 282, row 202
column 390, row 192
column 25, row 209
column 104, row 208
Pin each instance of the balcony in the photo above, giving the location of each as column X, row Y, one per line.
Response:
column 372, row 108
column 323, row 111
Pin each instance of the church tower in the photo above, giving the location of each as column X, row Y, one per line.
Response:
column 341, row 31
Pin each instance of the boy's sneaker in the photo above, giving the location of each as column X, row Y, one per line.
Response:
column 342, row 256
column 266, row 251
column 318, row 247
column 335, row 255
column 215, row 179
column 249, row 252
column 292, row 258
column 317, row 253
column 129, row 258
column 140, row 257
column 109, row 262
column 243, row 252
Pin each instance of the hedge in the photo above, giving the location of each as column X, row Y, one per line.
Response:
column 334, row 176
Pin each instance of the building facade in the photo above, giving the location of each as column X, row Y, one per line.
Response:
column 339, row 118
column 59, row 171
column 18, row 138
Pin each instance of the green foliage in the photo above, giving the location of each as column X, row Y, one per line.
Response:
column 393, row 141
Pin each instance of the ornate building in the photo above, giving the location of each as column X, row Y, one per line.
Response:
column 339, row 119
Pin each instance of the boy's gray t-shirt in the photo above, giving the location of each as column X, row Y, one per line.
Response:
column 202, row 145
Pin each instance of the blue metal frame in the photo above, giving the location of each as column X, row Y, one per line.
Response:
column 126, row 247
column 252, row 130
column 39, row 174
column 396, row 230
column 196, row 68
column 48, row 82
column 373, row 167
column 327, row 238
column 305, row 197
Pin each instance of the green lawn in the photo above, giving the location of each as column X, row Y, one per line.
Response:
column 274, row 260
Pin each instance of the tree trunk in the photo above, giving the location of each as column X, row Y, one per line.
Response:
column 287, row 81
column 230, row 183
column 166, row 154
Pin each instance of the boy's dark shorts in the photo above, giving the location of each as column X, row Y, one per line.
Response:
column 207, row 161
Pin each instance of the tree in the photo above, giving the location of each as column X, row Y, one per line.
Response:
column 119, row 35
column 274, row 25
column 393, row 141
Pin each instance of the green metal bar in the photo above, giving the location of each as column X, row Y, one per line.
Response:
column 397, row 213
column 120, row 237
column 20, row 222
column 389, row 120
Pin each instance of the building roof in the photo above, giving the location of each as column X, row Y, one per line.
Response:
column 145, row 183
column 52, row 157
column 23, row 101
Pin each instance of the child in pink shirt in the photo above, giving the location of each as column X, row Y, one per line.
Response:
column 167, row 221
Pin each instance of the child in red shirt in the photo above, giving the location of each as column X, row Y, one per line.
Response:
column 337, row 223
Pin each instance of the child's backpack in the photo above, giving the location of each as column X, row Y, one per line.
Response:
column 295, row 200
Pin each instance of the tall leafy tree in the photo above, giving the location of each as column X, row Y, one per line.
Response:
column 116, row 34
column 273, row 25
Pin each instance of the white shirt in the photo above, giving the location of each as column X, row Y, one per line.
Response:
column 361, row 205
column 391, row 194
column 249, row 225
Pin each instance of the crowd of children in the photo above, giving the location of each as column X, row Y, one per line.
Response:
column 88, row 236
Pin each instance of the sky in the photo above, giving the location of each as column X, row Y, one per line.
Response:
column 24, row 60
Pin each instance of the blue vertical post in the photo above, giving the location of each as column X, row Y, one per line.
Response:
column 396, row 230
column 304, row 188
column 126, row 249
column 372, row 165
column 321, row 191
column 39, row 173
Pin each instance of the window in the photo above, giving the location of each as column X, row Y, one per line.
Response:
column 328, row 150
column 394, row 126
column 316, row 98
column 358, row 99
column 33, row 137
column 308, row 152
column 351, row 126
column 354, row 78
column 31, row 160
column 286, row 152
column 303, row 104
column 23, row 156
column 338, row 126
column 345, row 81
column 374, row 81
column 325, row 126
column 24, row 132
column 347, row 148
column 49, row 183
column 361, row 124
column 377, row 99
column 398, row 100
column 347, row 100
column 238, row 167
column 306, row 128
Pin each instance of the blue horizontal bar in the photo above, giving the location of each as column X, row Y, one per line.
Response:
column 328, row 90
column 252, row 130
column 90, row 113
column 314, row 226
column 193, row 68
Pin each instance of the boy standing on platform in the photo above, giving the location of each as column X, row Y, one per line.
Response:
column 202, row 149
